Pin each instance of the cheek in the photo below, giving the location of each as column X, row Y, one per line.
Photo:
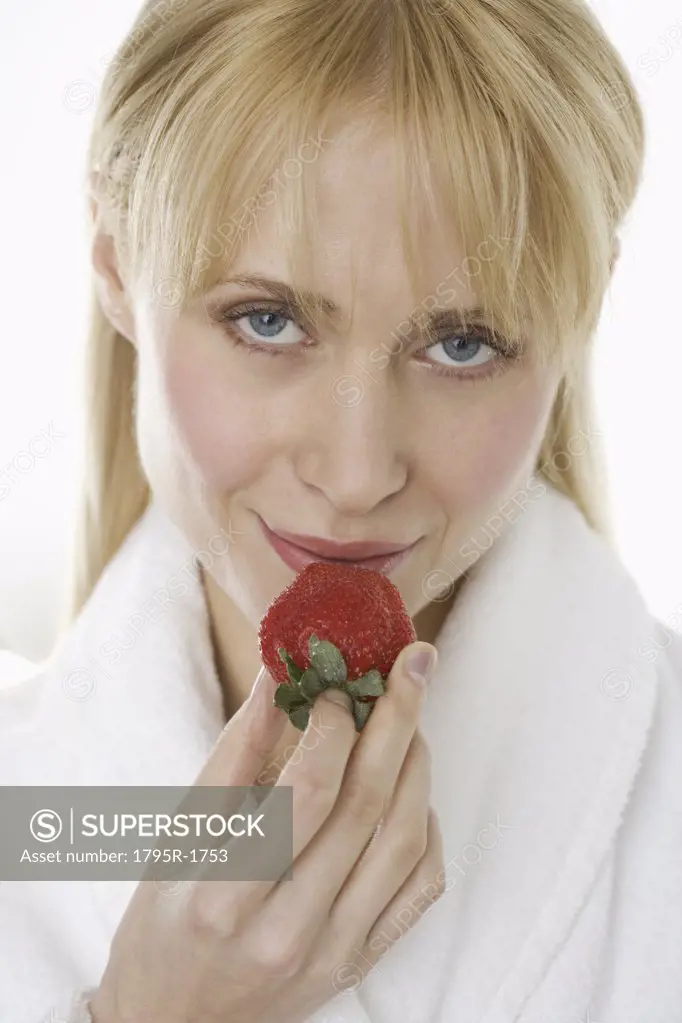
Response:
column 488, row 443
column 219, row 422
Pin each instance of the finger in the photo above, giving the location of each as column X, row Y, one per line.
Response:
column 424, row 886
column 378, row 761
column 365, row 786
column 372, row 773
column 315, row 770
column 348, row 960
column 247, row 739
column 392, row 853
column 236, row 758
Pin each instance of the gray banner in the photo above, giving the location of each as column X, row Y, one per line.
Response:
column 156, row 833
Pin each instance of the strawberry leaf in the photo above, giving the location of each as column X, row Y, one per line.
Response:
column 371, row 684
column 311, row 684
column 287, row 697
column 293, row 670
column 299, row 716
column 361, row 712
column 327, row 660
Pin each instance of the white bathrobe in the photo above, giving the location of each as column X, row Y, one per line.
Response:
column 555, row 725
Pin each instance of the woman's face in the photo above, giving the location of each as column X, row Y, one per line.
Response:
column 315, row 428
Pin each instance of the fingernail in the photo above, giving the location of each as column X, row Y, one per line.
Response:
column 420, row 665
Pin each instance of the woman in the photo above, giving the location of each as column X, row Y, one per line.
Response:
column 422, row 200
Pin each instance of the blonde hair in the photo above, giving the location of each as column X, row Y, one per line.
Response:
column 518, row 115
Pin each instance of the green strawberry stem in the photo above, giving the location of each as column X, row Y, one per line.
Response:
column 327, row 670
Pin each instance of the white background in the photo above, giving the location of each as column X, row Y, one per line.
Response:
column 54, row 56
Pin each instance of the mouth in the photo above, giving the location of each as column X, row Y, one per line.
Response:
column 380, row 557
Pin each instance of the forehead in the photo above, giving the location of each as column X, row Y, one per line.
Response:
column 357, row 249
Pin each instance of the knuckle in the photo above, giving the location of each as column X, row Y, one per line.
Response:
column 209, row 917
column 364, row 801
column 337, row 968
column 278, row 956
column 314, row 787
column 411, row 846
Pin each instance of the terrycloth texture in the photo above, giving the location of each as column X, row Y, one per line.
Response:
column 555, row 726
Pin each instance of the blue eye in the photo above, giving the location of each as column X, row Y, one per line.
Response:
column 471, row 354
column 267, row 330
column 463, row 349
column 269, row 326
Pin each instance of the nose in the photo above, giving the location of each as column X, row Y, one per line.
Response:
column 351, row 447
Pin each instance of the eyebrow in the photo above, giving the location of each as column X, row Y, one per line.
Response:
column 434, row 318
column 283, row 291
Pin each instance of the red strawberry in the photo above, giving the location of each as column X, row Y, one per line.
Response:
column 334, row 625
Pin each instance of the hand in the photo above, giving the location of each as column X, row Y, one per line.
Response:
column 272, row 951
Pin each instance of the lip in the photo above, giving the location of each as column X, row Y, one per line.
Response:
column 381, row 557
